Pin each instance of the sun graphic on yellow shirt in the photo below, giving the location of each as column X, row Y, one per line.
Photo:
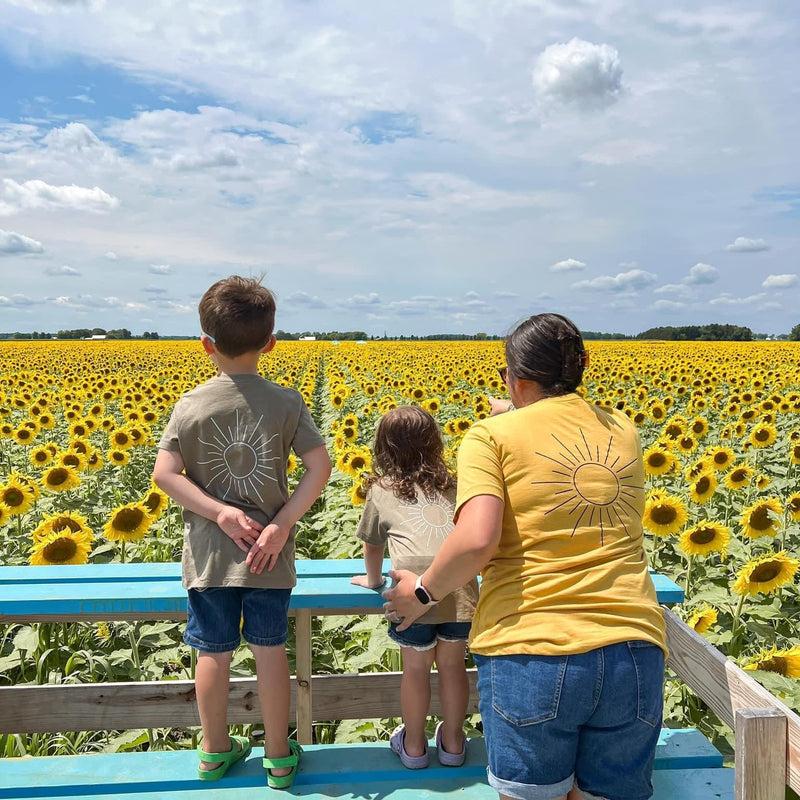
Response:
column 432, row 517
column 594, row 485
column 240, row 459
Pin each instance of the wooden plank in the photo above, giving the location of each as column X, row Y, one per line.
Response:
column 342, row 771
column 725, row 687
column 153, row 591
column 760, row 749
column 303, row 676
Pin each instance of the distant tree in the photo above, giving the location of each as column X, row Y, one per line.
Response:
column 794, row 336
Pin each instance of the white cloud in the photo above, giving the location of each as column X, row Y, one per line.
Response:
column 15, row 197
column 630, row 281
column 672, row 288
column 785, row 281
column 741, row 244
column 15, row 243
column 621, row 151
column 189, row 162
column 578, row 73
column 63, row 270
column 670, row 306
column 371, row 299
column 160, row 269
column 727, row 299
column 568, row 265
column 305, row 300
column 111, row 255
column 702, row 273
column 83, row 98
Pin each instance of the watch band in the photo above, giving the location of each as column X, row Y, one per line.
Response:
column 422, row 594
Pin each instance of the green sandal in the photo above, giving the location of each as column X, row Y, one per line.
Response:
column 224, row 760
column 292, row 760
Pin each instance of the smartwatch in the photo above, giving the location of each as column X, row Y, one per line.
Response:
column 422, row 594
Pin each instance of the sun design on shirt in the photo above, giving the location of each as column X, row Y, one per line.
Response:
column 592, row 485
column 240, row 459
column 430, row 517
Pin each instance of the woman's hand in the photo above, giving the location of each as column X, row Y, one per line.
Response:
column 402, row 605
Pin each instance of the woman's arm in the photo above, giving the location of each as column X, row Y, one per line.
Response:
column 465, row 552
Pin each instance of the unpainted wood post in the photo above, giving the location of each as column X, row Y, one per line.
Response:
column 760, row 754
column 302, row 630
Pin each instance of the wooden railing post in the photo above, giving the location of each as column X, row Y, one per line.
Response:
column 760, row 754
column 302, row 629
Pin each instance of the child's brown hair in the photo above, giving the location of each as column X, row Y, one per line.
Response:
column 238, row 314
column 409, row 452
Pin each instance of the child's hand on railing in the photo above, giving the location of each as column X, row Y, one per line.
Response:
column 363, row 580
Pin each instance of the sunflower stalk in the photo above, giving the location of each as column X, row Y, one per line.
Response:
column 137, row 661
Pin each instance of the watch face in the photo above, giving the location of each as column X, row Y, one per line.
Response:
column 422, row 595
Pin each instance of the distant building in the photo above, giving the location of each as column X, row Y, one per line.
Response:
column 307, row 339
column 96, row 336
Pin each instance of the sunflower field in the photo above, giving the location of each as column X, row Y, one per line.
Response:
column 79, row 423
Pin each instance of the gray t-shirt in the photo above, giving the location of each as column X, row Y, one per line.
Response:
column 415, row 531
column 234, row 433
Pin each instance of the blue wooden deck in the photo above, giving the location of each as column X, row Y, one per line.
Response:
column 687, row 767
column 152, row 589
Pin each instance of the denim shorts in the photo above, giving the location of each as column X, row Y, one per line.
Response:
column 219, row 617
column 424, row 637
column 591, row 720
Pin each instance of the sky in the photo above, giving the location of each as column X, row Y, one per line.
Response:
column 400, row 167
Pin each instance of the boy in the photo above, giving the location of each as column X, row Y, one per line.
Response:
column 223, row 458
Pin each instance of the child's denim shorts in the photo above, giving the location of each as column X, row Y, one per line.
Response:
column 591, row 720
column 424, row 637
column 219, row 618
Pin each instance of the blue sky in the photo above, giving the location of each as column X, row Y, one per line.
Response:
column 409, row 168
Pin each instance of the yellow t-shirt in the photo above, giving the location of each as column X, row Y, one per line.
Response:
column 570, row 572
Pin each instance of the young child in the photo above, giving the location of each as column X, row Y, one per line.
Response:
column 410, row 502
column 223, row 457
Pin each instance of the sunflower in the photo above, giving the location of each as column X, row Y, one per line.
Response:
column 94, row 461
column 358, row 461
column 686, row 443
column 696, row 469
column 698, row 427
column 766, row 574
column 24, row 435
column 784, row 662
column 794, row 454
column 793, row 506
column 291, row 464
column 763, row 435
column 16, row 495
column 57, row 523
column 702, row 618
column 156, row 501
column 704, row 538
column 762, row 518
column 128, row 523
column 762, row 481
column 4, row 515
column 79, row 429
column 73, row 459
column 358, row 494
column 664, row 514
column 120, row 439
column 118, row 457
column 60, row 547
column 720, row 457
column 658, row 461
column 432, row 405
column 59, row 479
column 739, row 476
column 701, row 489
column 348, row 432
column 658, row 411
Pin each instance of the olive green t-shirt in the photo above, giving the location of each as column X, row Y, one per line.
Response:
column 415, row 532
column 234, row 434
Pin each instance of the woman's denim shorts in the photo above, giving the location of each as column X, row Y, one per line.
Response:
column 591, row 720
column 424, row 637
column 219, row 618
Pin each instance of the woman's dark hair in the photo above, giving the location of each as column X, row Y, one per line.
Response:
column 409, row 452
column 548, row 349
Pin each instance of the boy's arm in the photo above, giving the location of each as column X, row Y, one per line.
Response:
column 265, row 551
column 373, row 563
column 168, row 475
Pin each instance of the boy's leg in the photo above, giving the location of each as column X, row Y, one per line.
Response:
column 453, row 692
column 272, row 672
column 211, row 687
column 415, row 697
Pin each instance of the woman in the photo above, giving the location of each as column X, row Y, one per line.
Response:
column 568, row 636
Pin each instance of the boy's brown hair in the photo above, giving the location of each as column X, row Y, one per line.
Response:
column 238, row 314
column 409, row 452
